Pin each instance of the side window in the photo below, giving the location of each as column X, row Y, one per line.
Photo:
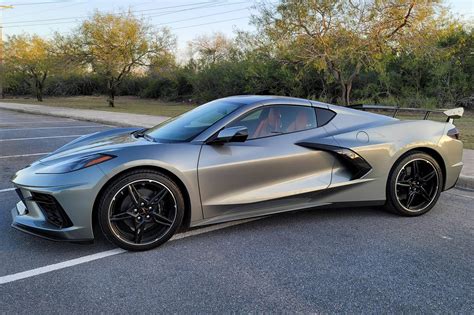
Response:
column 277, row 119
column 324, row 116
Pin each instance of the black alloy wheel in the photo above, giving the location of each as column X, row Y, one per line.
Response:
column 414, row 185
column 141, row 210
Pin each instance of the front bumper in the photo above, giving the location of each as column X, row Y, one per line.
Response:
column 75, row 195
column 35, row 223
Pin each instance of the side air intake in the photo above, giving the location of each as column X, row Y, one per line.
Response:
column 51, row 209
column 354, row 162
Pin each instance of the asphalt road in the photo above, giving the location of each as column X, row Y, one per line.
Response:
column 347, row 260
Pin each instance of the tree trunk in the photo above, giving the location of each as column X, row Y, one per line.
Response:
column 346, row 84
column 39, row 91
column 347, row 96
column 343, row 93
column 346, row 88
column 111, row 92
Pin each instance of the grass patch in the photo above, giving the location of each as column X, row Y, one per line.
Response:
column 123, row 104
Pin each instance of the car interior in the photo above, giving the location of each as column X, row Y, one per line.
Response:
column 274, row 120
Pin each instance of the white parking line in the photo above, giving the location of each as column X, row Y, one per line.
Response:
column 6, row 189
column 39, row 138
column 21, row 155
column 9, row 122
column 61, row 265
column 108, row 253
column 68, row 127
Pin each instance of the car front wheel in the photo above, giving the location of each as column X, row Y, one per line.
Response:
column 141, row 210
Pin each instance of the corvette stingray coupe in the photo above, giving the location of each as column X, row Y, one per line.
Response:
column 235, row 158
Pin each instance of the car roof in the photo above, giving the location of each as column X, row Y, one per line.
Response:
column 252, row 99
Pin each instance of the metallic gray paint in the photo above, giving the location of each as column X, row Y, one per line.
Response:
column 240, row 180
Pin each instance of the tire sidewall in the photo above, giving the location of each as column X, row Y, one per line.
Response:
column 392, row 200
column 116, row 185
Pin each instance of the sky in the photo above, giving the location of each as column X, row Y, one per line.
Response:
column 187, row 19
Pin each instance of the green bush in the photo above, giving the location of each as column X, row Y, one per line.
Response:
column 159, row 88
column 16, row 84
column 133, row 85
column 73, row 85
column 219, row 80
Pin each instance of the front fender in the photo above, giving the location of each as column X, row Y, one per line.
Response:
column 180, row 159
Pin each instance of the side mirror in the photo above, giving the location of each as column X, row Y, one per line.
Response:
column 231, row 134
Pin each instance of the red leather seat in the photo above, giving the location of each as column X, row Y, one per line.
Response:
column 300, row 123
column 269, row 125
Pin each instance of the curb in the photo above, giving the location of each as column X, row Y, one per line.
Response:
column 96, row 120
column 91, row 119
column 465, row 182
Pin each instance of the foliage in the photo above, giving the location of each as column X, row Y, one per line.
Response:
column 208, row 50
column 341, row 37
column 424, row 59
column 115, row 45
column 30, row 56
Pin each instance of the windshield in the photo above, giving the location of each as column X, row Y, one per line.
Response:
column 189, row 125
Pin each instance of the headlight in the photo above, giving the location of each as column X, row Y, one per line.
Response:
column 75, row 164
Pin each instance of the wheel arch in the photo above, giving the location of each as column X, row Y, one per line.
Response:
column 431, row 152
column 187, row 201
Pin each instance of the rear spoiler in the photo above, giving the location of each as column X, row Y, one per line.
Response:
column 454, row 113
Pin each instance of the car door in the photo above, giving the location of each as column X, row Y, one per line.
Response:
column 267, row 173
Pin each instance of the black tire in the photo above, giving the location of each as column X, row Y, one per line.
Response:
column 414, row 184
column 140, row 210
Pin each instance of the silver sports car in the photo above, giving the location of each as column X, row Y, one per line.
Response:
column 234, row 158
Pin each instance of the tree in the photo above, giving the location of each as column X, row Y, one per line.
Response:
column 208, row 50
column 32, row 56
column 115, row 45
column 454, row 70
column 342, row 36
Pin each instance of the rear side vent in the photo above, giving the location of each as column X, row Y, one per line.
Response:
column 51, row 209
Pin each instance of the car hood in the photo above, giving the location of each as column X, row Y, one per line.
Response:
column 99, row 142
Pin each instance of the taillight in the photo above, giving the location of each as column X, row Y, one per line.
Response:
column 454, row 133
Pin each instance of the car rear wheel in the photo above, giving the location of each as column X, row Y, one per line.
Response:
column 141, row 210
column 414, row 185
